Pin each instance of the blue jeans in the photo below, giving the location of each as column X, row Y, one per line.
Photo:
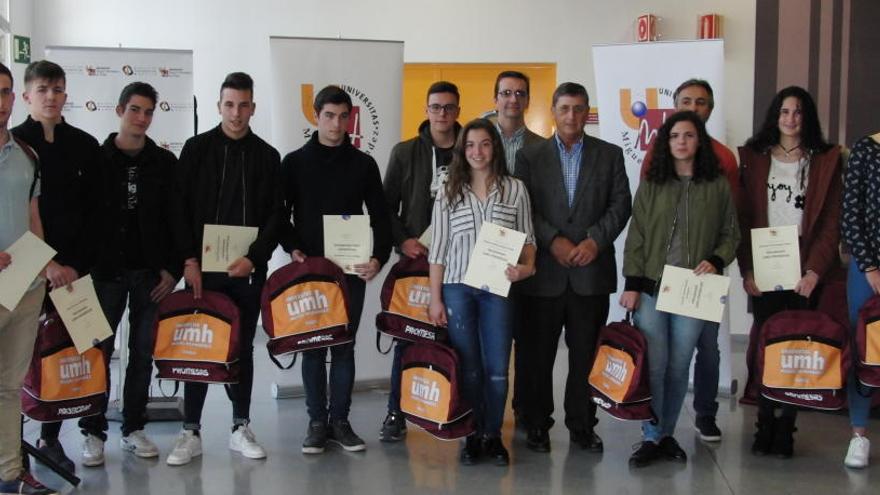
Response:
column 671, row 342
column 314, row 366
column 706, row 371
column 481, row 332
column 857, row 292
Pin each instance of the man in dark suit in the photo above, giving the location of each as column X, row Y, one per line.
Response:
column 581, row 202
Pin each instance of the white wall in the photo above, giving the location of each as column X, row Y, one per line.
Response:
column 228, row 35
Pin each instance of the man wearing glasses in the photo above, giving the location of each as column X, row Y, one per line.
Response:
column 416, row 170
column 511, row 102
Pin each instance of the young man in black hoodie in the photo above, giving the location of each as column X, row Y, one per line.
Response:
column 71, row 193
column 137, row 261
column 329, row 176
column 229, row 176
column 416, row 170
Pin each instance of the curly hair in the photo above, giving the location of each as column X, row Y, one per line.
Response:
column 663, row 163
column 812, row 140
column 460, row 169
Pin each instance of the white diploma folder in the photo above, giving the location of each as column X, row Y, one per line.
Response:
column 496, row 247
column 223, row 244
column 698, row 296
column 29, row 256
column 81, row 313
column 776, row 258
column 347, row 240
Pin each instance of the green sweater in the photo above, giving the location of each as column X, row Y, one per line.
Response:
column 712, row 229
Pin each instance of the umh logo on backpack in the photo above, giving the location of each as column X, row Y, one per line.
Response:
column 61, row 383
column 405, row 297
column 619, row 377
column 197, row 339
column 804, row 356
column 304, row 306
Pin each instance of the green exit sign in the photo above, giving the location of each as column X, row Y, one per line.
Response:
column 21, row 49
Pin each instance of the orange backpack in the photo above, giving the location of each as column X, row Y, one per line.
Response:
column 62, row 383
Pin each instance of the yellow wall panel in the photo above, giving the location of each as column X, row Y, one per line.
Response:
column 475, row 83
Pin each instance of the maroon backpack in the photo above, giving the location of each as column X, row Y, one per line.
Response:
column 430, row 394
column 619, row 381
column 305, row 306
column 405, row 296
column 61, row 383
column 197, row 340
column 868, row 343
column 803, row 359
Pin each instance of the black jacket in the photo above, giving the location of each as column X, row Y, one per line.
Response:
column 320, row 180
column 156, row 217
column 408, row 185
column 71, row 190
column 201, row 174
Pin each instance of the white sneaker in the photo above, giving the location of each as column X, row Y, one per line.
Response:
column 857, row 454
column 92, row 451
column 137, row 443
column 187, row 446
column 243, row 441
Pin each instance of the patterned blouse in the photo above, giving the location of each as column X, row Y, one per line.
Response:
column 860, row 225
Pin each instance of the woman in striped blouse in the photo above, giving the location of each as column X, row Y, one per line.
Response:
column 480, row 327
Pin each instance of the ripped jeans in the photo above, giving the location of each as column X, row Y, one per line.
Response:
column 481, row 331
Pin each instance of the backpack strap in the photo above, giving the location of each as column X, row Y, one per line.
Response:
column 278, row 363
column 35, row 160
column 379, row 346
column 173, row 394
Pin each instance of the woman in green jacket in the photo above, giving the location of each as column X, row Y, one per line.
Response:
column 684, row 216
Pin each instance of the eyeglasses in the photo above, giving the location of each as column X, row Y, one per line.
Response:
column 437, row 108
column 508, row 93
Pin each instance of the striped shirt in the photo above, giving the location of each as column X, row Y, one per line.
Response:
column 454, row 231
column 511, row 145
column 571, row 165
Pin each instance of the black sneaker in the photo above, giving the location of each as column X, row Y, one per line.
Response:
column 538, row 440
column 494, row 448
column 393, row 428
column 647, row 453
column 316, row 438
column 671, row 450
column 25, row 483
column 55, row 452
column 342, row 434
column 471, row 450
column 707, row 429
column 587, row 439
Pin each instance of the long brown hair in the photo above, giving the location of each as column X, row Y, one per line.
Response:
column 460, row 169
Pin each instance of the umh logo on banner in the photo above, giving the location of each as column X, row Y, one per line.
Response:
column 371, row 72
column 96, row 76
column 635, row 97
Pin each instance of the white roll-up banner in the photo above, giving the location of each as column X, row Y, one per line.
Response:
column 635, row 83
column 371, row 72
column 96, row 76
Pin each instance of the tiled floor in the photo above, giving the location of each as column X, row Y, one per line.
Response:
column 424, row 465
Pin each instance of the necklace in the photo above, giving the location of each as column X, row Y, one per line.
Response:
column 788, row 152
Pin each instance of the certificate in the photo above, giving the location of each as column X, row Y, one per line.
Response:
column 81, row 313
column 223, row 244
column 776, row 258
column 698, row 296
column 347, row 240
column 496, row 247
column 29, row 255
column 426, row 237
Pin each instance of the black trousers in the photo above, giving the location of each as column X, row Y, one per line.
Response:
column 545, row 317
column 521, row 390
column 763, row 308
